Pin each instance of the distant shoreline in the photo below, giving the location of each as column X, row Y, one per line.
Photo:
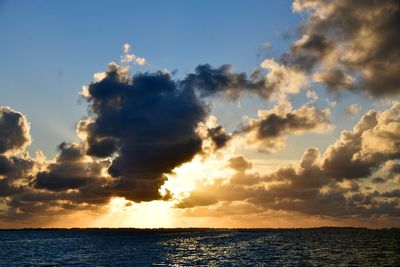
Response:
column 191, row 229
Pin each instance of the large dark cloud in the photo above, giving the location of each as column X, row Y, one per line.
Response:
column 358, row 38
column 149, row 122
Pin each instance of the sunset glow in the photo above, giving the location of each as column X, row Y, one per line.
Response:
column 231, row 114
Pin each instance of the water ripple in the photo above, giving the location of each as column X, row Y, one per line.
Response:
column 308, row 247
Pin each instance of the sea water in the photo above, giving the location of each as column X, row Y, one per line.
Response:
column 200, row 247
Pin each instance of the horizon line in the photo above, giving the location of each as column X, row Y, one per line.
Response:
column 195, row 228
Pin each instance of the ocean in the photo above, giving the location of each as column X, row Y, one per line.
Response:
column 200, row 247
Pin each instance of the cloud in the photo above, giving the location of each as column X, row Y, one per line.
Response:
column 377, row 180
column 372, row 142
column 381, row 142
column 138, row 130
column 214, row 135
column 350, row 38
column 335, row 79
column 329, row 184
column 353, row 110
column 224, row 81
column 283, row 79
column 218, row 136
column 279, row 80
column 149, row 122
column 270, row 130
column 240, row 164
column 15, row 165
column 14, row 131
column 301, row 188
column 131, row 58
column 307, row 51
column 312, row 95
column 391, row 171
column 127, row 48
column 33, row 188
column 70, row 171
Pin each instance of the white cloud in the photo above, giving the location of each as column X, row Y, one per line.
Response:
column 312, row 95
column 353, row 110
column 131, row 58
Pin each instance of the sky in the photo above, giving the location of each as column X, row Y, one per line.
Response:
column 199, row 113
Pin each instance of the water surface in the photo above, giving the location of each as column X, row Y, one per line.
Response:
column 129, row 247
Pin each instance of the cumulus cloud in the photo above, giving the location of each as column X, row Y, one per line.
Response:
column 33, row 187
column 350, row 38
column 70, row 171
column 391, row 171
column 269, row 131
column 373, row 141
column 131, row 58
column 382, row 141
column 149, row 122
column 14, row 131
column 329, row 184
column 283, row 79
column 15, row 165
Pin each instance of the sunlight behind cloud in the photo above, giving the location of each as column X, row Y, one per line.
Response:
column 184, row 178
column 124, row 213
